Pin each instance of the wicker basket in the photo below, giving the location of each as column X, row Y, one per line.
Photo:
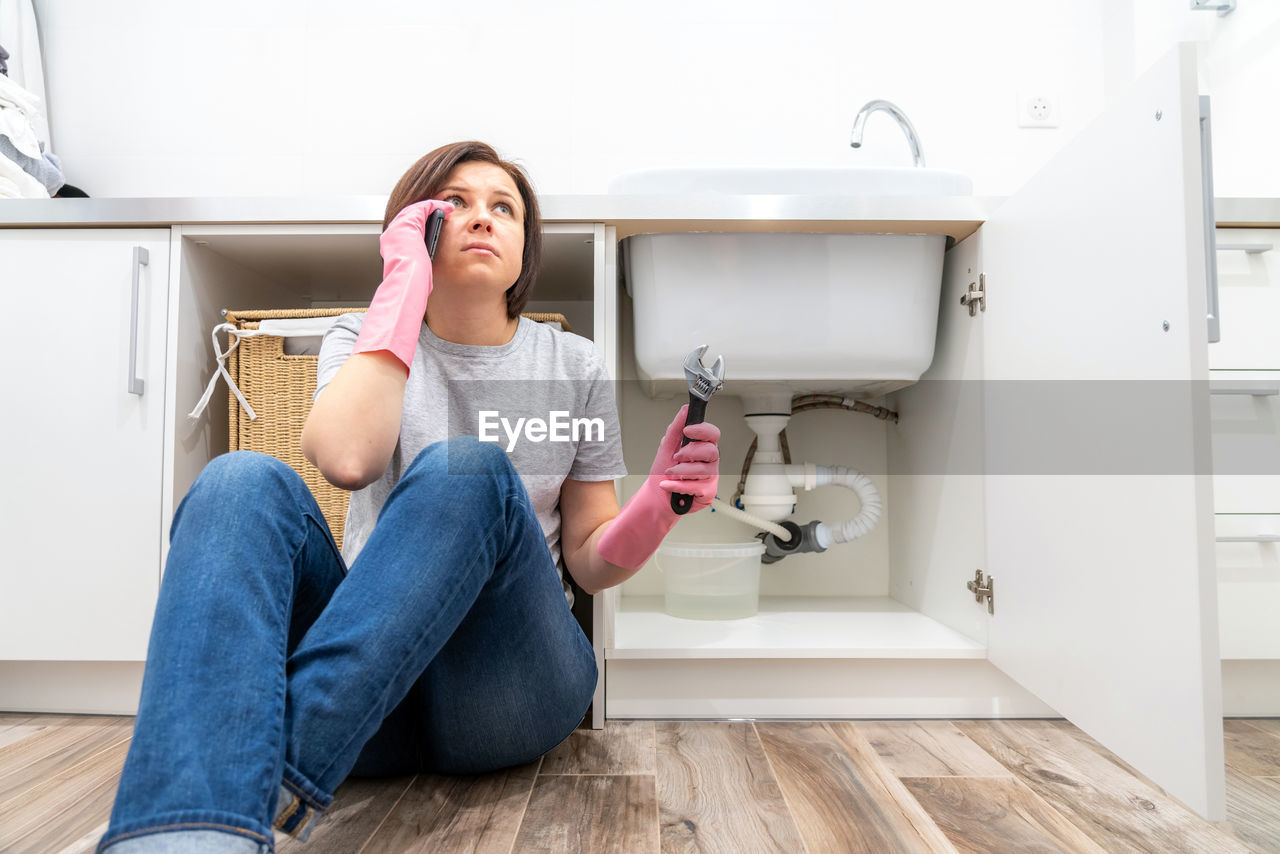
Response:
column 279, row 387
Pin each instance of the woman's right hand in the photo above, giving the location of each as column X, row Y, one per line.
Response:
column 394, row 318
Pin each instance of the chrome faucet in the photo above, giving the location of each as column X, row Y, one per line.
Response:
column 900, row 117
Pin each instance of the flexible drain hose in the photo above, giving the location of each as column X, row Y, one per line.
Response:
column 867, row 493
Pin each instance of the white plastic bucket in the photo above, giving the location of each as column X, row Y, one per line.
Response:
column 711, row 581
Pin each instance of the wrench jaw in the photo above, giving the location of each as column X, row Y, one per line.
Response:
column 703, row 381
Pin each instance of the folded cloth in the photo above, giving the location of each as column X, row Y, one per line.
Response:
column 24, row 99
column 15, row 183
column 47, row 170
column 20, row 33
column 19, row 113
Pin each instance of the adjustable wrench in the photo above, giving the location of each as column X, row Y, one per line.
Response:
column 703, row 382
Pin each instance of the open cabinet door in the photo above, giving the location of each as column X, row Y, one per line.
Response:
column 1099, row 494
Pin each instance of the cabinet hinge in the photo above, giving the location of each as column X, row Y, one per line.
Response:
column 977, row 296
column 981, row 591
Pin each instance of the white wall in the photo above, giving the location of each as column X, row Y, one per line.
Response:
column 285, row 97
column 302, row 97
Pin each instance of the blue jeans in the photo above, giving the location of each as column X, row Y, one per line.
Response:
column 273, row 673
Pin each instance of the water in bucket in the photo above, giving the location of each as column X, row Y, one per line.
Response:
column 711, row 581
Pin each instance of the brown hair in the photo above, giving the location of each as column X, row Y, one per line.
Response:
column 425, row 178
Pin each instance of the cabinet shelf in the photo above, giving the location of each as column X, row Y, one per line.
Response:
column 789, row 627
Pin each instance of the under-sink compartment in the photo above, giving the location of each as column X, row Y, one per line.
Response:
column 895, row 596
column 877, row 596
column 888, row 615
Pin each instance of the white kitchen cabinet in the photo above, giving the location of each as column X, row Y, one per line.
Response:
column 1019, row 454
column 1245, row 420
column 84, row 385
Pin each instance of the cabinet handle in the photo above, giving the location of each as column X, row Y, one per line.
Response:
column 1210, row 223
column 1256, row 538
column 1254, row 390
column 1251, row 248
column 141, row 258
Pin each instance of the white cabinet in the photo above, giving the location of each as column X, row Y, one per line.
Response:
column 84, row 390
column 1245, row 373
column 1245, row 420
column 1021, row 453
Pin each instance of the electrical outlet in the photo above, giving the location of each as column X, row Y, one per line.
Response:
column 1037, row 109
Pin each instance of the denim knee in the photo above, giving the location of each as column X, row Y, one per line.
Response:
column 248, row 476
column 245, row 471
column 464, row 455
column 461, row 466
column 241, row 484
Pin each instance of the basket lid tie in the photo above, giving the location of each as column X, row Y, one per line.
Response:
column 233, row 336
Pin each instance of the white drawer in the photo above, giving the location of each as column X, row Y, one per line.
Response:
column 1248, row 586
column 1248, row 300
column 1246, row 441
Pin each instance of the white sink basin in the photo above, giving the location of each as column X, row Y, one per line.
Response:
column 841, row 313
column 790, row 312
column 882, row 181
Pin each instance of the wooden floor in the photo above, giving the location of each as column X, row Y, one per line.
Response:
column 735, row 787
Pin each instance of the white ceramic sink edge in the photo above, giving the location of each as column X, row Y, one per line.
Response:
column 851, row 181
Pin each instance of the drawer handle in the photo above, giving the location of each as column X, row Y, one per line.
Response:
column 1251, row 248
column 1257, row 538
column 1254, row 390
column 141, row 258
column 1213, row 318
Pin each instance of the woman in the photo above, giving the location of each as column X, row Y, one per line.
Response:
column 274, row 672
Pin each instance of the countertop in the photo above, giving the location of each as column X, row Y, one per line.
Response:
column 958, row 216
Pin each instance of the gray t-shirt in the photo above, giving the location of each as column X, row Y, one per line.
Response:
column 541, row 375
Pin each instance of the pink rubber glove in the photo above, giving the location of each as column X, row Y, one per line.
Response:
column 638, row 530
column 394, row 318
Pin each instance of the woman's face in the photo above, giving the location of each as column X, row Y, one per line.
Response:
column 482, row 242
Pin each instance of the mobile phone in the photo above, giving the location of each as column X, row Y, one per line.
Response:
column 434, row 223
